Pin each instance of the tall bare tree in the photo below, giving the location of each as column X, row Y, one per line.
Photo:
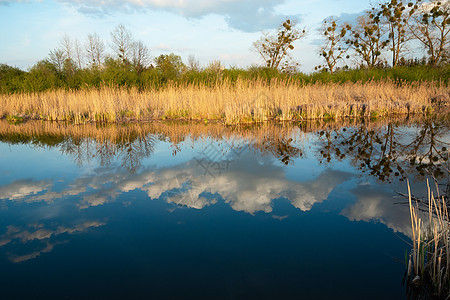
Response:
column 334, row 48
column 122, row 43
column 57, row 58
column 140, row 56
column 367, row 38
column 396, row 15
column 431, row 26
column 95, row 49
column 193, row 64
column 78, row 53
column 66, row 45
column 274, row 47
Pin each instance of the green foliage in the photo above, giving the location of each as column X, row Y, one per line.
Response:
column 11, row 79
column 170, row 66
column 44, row 76
column 117, row 73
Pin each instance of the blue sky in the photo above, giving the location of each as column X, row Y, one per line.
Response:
column 211, row 30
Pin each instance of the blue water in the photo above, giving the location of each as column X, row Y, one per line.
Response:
column 212, row 221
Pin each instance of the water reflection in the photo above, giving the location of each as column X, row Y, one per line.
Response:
column 40, row 238
column 393, row 149
column 248, row 168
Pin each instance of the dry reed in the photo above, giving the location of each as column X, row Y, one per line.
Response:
column 429, row 261
column 240, row 102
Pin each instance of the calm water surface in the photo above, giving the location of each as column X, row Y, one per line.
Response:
column 172, row 211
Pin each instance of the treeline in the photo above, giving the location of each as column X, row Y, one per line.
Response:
column 44, row 76
column 391, row 28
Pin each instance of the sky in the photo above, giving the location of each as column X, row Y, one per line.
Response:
column 210, row 30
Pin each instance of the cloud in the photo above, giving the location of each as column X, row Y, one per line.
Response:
column 247, row 15
column 23, row 188
column 41, row 234
column 7, row 2
column 376, row 204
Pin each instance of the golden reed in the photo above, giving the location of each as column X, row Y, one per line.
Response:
column 232, row 103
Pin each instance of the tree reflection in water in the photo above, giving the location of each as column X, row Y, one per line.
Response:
column 391, row 150
column 385, row 149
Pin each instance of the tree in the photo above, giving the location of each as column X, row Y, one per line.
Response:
column 431, row 26
column 122, row 43
column 57, row 58
column 170, row 66
column 274, row 47
column 67, row 47
column 193, row 64
column 95, row 49
column 140, row 56
column 79, row 54
column 334, row 47
column 367, row 38
column 396, row 17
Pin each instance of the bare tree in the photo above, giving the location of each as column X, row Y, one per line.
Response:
column 66, row 46
column 57, row 58
column 274, row 47
column 141, row 56
column 79, row 54
column 396, row 16
column 95, row 49
column 367, row 38
column 193, row 64
column 431, row 26
column 122, row 43
column 334, row 48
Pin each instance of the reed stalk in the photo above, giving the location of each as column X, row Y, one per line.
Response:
column 428, row 263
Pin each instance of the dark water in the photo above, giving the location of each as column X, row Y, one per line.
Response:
column 171, row 211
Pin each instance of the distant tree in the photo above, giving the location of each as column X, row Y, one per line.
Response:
column 215, row 66
column 140, row 56
column 431, row 26
column 11, row 79
column 122, row 43
column 334, row 47
column 66, row 45
column 78, row 54
column 57, row 58
column 170, row 66
column 274, row 47
column 193, row 64
column 95, row 50
column 43, row 76
column 367, row 38
column 396, row 15
column 118, row 74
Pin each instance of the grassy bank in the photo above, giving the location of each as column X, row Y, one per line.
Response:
column 240, row 101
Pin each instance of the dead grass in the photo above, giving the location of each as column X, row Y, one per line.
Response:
column 241, row 102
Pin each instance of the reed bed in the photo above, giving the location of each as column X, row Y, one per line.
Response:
column 428, row 265
column 238, row 102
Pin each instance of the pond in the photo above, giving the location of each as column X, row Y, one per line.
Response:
column 166, row 210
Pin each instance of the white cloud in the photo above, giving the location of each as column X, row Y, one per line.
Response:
column 247, row 15
column 23, row 188
column 376, row 204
